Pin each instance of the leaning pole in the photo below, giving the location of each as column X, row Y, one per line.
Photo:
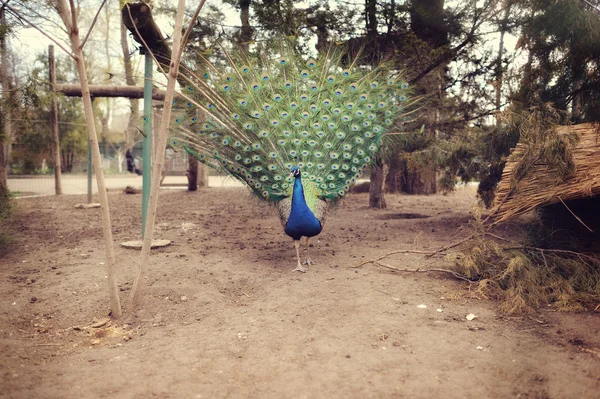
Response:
column 147, row 143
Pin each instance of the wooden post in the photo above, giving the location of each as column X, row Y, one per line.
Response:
column 54, row 122
column 148, row 144
column 90, row 166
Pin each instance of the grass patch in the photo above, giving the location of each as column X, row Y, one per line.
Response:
column 528, row 274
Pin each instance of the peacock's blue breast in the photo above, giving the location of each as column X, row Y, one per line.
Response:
column 302, row 223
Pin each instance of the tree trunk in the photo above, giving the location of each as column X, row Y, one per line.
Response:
column 129, row 79
column 499, row 70
column 371, row 18
column 376, row 197
column 420, row 180
column 192, row 173
column 391, row 16
column 394, row 178
column 246, row 31
column 578, row 73
column 69, row 18
column 6, row 119
column 202, row 175
column 320, row 22
column 428, row 24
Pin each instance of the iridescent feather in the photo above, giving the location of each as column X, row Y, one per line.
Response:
column 257, row 118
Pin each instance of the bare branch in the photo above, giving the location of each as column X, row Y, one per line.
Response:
column 574, row 215
column 478, row 20
column 16, row 14
column 93, row 23
column 402, row 251
column 190, row 27
column 36, row 13
column 592, row 5
column 63, row 13
column 435, row 270
column 73, row 14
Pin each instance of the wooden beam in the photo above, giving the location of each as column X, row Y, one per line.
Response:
column 72, row 90
column 137, row 17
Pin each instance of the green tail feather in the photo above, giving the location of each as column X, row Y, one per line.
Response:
column 257, row 122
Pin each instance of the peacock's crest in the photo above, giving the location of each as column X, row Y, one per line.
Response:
column 257, row 118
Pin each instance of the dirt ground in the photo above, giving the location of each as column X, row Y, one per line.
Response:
column 223, row 315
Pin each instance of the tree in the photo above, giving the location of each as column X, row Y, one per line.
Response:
column 6, row 106
column 430, row 27
column 562, row 39
column 68, row 15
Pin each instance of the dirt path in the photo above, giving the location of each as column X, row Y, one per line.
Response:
column 224, row 317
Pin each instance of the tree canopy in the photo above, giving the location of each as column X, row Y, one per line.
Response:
column 472, row 63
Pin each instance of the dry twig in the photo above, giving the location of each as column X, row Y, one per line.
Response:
column 575, row 216
column 403, row 251
column 453, row 273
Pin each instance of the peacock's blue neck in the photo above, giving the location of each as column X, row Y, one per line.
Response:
column 298, row 199
column 302, row 221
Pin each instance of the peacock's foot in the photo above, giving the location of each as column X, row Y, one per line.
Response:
column 309, row 262
column 300, row 268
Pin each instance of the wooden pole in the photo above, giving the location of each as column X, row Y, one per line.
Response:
column 54, row 122
column 147, row 144
column 90, row 166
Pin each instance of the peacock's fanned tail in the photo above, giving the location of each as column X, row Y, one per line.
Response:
column 256, row 118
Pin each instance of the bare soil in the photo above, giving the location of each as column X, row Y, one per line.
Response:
column 224, row 316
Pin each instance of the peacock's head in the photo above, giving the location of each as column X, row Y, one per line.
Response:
column 295, row 172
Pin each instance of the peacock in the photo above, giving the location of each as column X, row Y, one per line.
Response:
column 297, row 131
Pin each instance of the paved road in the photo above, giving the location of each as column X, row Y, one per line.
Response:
column 77, row 184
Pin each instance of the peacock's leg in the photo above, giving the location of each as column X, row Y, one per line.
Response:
column 309, row 261
column 298, row 268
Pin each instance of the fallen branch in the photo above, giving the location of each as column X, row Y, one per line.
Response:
column 403, row 251
column 498, row 237
column 437, row 270
column 450, row 246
